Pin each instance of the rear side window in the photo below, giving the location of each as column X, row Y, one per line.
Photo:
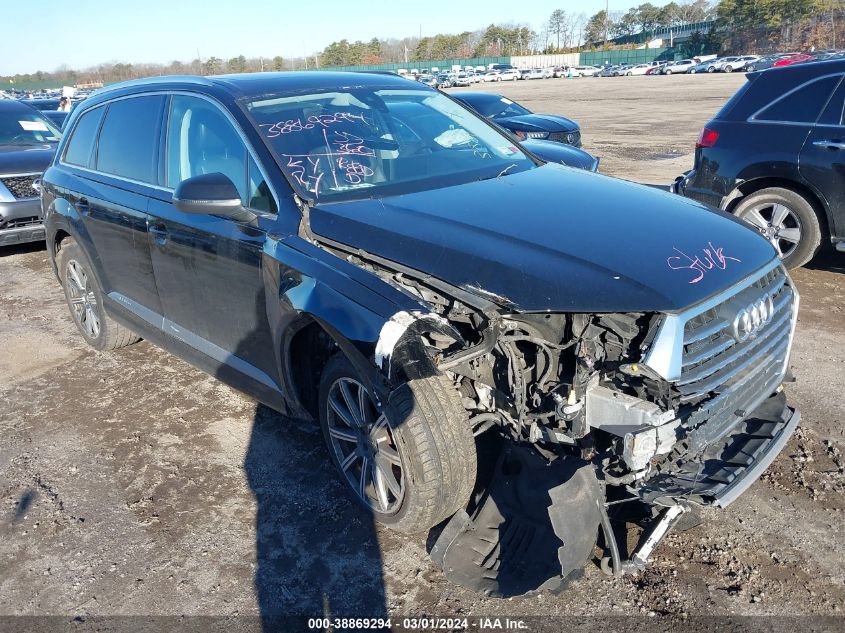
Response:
column 129, row 138
column 80, row 147
column 802, row 105
column 834, row 113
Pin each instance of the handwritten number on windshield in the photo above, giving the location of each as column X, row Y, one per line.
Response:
column 322, row 121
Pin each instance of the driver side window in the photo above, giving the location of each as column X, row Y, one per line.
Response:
column 201, row 140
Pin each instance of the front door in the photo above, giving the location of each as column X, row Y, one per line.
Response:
column 208, row 269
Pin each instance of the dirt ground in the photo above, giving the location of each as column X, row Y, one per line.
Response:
column 133, row 484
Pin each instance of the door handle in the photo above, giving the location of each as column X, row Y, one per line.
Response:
column 830, row 144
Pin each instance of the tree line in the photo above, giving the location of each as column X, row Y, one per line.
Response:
column 739, row 26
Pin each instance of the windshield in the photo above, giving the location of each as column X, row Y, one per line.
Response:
column 19, row 127
column 369, row 143
column 498, row 108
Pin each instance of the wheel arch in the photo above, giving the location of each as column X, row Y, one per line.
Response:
column 390, row 353
column 751, row 186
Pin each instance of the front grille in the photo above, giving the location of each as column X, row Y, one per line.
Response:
column 731, row 418
column 715, row 362
column 19, row 223
column 570, row 138
column 20, row 186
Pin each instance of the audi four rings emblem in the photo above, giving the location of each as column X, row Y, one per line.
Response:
column 751, row 319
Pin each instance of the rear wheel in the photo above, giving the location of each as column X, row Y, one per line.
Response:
column 412, row 463
column 728, row 68
column 667, row 72
column 787, row 220
column 85, row 300
column 711, row 69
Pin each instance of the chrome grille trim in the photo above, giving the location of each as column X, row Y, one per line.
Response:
column 665, row 355
column 724, row 356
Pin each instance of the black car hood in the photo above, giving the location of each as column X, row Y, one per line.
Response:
column 25, row 159
column 538, row 122
column 555, row 239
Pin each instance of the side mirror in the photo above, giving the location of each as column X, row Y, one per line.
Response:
column 211, row 194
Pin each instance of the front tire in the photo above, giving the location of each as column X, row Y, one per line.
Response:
column 785, row 218
column 668, row 72
column 412, row 463
column 85, row 300
column 728, row 69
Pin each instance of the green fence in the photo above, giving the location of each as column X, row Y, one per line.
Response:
column 433, row 63
column 632, row 56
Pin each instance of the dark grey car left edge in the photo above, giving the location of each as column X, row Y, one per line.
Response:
column 27, row 144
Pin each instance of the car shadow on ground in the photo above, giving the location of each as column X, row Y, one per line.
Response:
column 21, row 249
column 317, row 553
column 829, row 260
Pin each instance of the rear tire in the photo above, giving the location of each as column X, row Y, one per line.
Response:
column 728, row 69
column 85, row 300
column 787, row 219
column 668, row 72
column 421, row 444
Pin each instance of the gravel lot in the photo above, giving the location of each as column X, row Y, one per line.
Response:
column 131, row 483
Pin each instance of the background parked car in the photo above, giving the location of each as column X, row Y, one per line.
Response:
column 28, row 142
column 584, row 71
column 769, row 60
column 792, row 59
column 461, row 79
column 788, row 117
column 725, row 64
column 444, row 81
column 428, row 80
column 493, row 75
column 520, row 120
column 510, row 74
column 678, row 67
column 639, row 69
column 553, row 152
column 703, row 67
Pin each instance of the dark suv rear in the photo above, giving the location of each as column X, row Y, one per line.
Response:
column 774, row 156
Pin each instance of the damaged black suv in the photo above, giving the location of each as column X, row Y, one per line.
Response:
column 521, row 348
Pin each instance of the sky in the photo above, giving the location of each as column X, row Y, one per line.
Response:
column 84, row 33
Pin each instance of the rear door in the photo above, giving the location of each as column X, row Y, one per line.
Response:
column 116, row 178
column 822, row 159
column 209, row 269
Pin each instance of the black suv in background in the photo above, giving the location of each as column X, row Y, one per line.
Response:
column 774, row 156
column 27, row 144
column 366, row 251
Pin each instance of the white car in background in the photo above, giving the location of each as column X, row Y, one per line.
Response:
column 535, row 73
column 510, row 74
column 741, row 64
column 491, row 76
column 639, row 69
column 584, row 71
column 679, row 67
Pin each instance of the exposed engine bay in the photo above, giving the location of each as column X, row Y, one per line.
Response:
column 586, row 431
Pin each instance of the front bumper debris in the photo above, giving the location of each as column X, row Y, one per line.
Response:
column 728, row 467
column 532, row 528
